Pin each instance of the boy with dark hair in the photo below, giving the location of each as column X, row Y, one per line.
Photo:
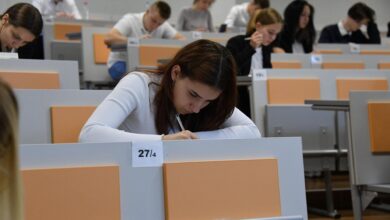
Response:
column 358, row 27
column 149, row 24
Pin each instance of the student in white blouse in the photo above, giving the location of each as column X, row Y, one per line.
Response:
column 57, row 8
column 239, row 15
column 198, row 85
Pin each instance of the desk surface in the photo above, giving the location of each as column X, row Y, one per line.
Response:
column 332, row 105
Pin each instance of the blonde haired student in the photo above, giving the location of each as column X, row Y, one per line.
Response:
column 10, row 189
column 253, row 50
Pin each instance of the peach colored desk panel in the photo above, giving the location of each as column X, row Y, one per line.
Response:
column 77, row 193
column 344, row 86
column 231, row 189
column 67, row 122
column 31, row 80
column 379, row 124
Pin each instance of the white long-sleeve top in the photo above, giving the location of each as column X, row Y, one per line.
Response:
column 50, row 8
column 238, row 16
column 127, row 114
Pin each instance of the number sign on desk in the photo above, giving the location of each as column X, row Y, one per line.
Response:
column 147, row 154
column 259, row 75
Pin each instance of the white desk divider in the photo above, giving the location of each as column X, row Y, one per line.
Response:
column 369, row 172
column 370, row 61
column 67, row 70
column 34, row 105
column 95, row 73
column 141, row 189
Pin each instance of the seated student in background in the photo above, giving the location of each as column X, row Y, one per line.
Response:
column 21, row 24
column 57, row 8
column 298, row 34
column 197, row 86
column 150, row 24
column 253, row 50
column 197, row 17
column 239, row 15
column 358, row 27
column 10, row 186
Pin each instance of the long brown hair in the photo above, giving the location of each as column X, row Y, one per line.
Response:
column 203, row 61
column 26, row 16
column 10, row 195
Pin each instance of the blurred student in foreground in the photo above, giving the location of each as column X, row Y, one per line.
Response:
column 10, row 185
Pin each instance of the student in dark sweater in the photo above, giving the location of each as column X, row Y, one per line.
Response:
column 253, row 50
column 298, row 34
column 360, row 16
column 20, row 29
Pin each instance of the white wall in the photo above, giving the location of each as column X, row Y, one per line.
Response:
column 327, row 11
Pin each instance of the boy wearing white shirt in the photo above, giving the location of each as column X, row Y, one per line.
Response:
column 149, row 24
column 239, row 15
column 57, row 8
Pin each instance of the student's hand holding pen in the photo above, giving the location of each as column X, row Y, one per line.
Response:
column 256, row 40
column 182, row 135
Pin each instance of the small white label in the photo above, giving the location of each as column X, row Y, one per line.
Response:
column 197, row 35
column 316, row 59
column 132, row 41
column 259, row 75
column 355, row 48
column 147, row 154
column 11, row 55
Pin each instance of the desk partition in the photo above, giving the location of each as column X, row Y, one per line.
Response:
column 95, row 54
column 43, row 112
column 329, row 61
column 141, row 189
column 368, row 167
column 40, row 74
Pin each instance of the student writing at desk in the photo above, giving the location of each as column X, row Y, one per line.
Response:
column 58, row 8
column 20, row 25
column 149, row 24
column 253, row 50
column 199, row 84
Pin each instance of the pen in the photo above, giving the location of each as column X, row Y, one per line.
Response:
column 247, row 38
column 179, row 122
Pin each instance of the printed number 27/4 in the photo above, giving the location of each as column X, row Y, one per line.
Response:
column 146, row 153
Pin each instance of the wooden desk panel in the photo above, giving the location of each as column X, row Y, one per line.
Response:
column 222, row 189
column 77, row 193
column 292, row 90
column 149, row 55
column 344, row 86
column 286, row 65
column 100, row 50
column 60, row 30
column 379, row 124
column 67, row 122
column 343, row 65
column 31, row 80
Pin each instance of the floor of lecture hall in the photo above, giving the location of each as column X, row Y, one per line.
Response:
column 341, row 197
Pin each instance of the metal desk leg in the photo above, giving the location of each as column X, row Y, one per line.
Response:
column 329, row 211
